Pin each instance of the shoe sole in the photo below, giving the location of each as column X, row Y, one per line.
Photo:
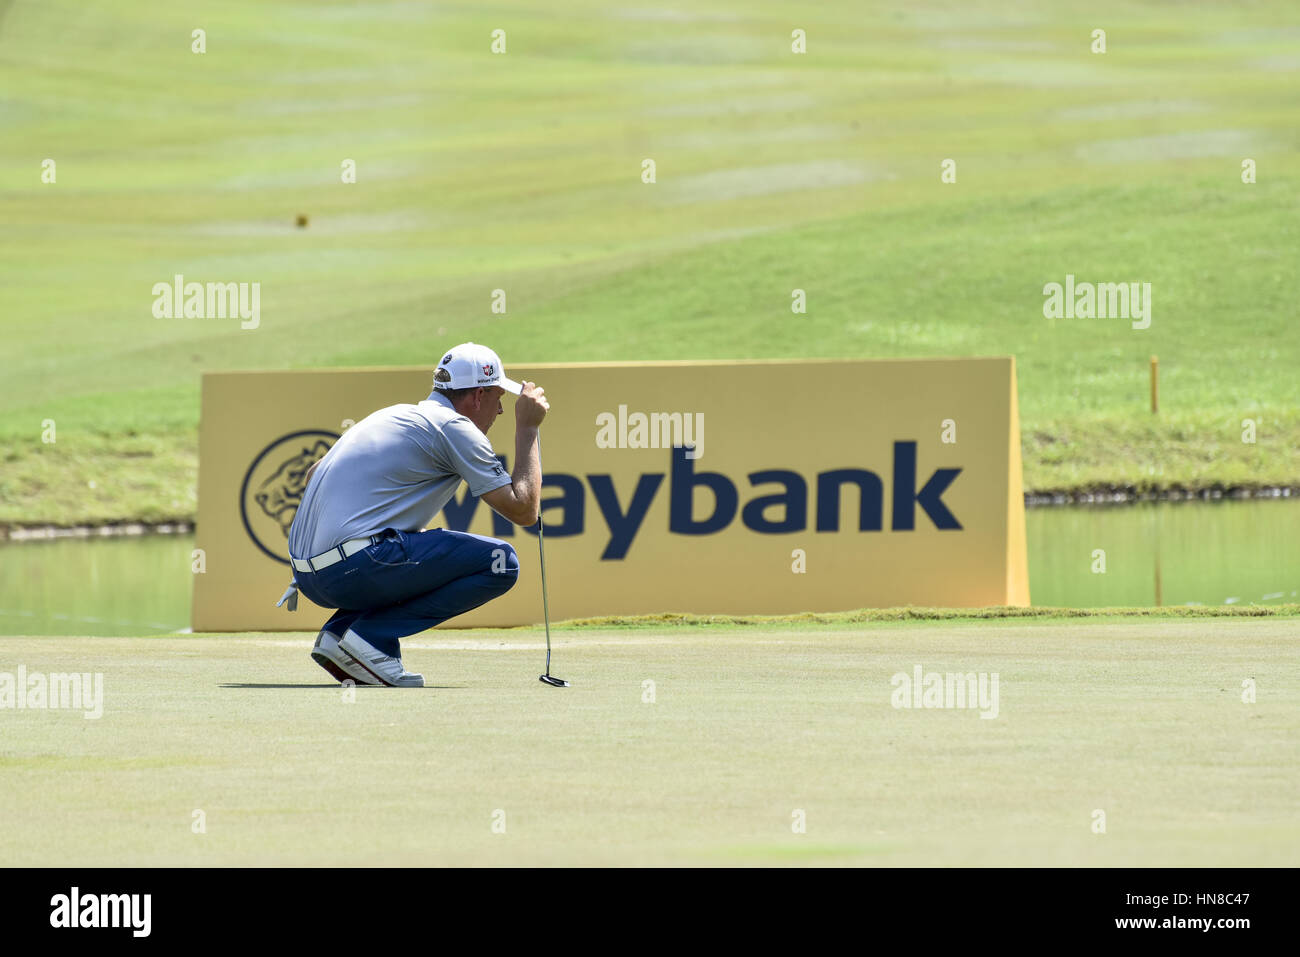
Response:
column 336, row 670
column 337, row 673
column 361, row 663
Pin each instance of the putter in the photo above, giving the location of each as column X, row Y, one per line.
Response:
column 548, row 678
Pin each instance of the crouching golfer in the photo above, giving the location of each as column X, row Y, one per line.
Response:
column 357, row 542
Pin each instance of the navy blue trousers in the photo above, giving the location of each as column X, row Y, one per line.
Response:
column 409, row 582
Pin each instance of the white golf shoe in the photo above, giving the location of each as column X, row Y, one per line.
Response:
column 384, row 669
column 341, row 665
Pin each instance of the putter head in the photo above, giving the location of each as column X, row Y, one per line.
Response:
column 553, row 681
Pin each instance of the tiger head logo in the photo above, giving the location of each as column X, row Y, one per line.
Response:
column 280, row 494
column 275, row 484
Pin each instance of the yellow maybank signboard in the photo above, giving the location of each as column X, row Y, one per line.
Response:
column 706, row 487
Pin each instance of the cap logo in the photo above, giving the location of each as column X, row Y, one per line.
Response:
column 487, row 369
column 447, row 358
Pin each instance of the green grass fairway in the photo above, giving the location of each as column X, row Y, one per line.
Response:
column 521, row 172
column 1142, row 719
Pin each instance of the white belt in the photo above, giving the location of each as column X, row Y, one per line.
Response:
column 336, row 554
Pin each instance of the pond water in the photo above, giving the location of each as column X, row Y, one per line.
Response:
column 1236, row 552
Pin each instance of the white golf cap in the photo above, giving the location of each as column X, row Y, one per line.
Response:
column 468, row 366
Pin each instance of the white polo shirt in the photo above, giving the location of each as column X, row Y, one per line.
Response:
column 396, row 468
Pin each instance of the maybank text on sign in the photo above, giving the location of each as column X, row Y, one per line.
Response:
column 714, row 488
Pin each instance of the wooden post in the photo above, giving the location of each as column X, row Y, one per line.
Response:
column 1155, row 384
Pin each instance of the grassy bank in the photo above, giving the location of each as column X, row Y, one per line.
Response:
column 95, row 477
column 522, row 172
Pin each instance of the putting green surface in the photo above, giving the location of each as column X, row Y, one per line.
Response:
column 1140, row 719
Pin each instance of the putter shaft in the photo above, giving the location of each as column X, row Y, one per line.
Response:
column 546, row 610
